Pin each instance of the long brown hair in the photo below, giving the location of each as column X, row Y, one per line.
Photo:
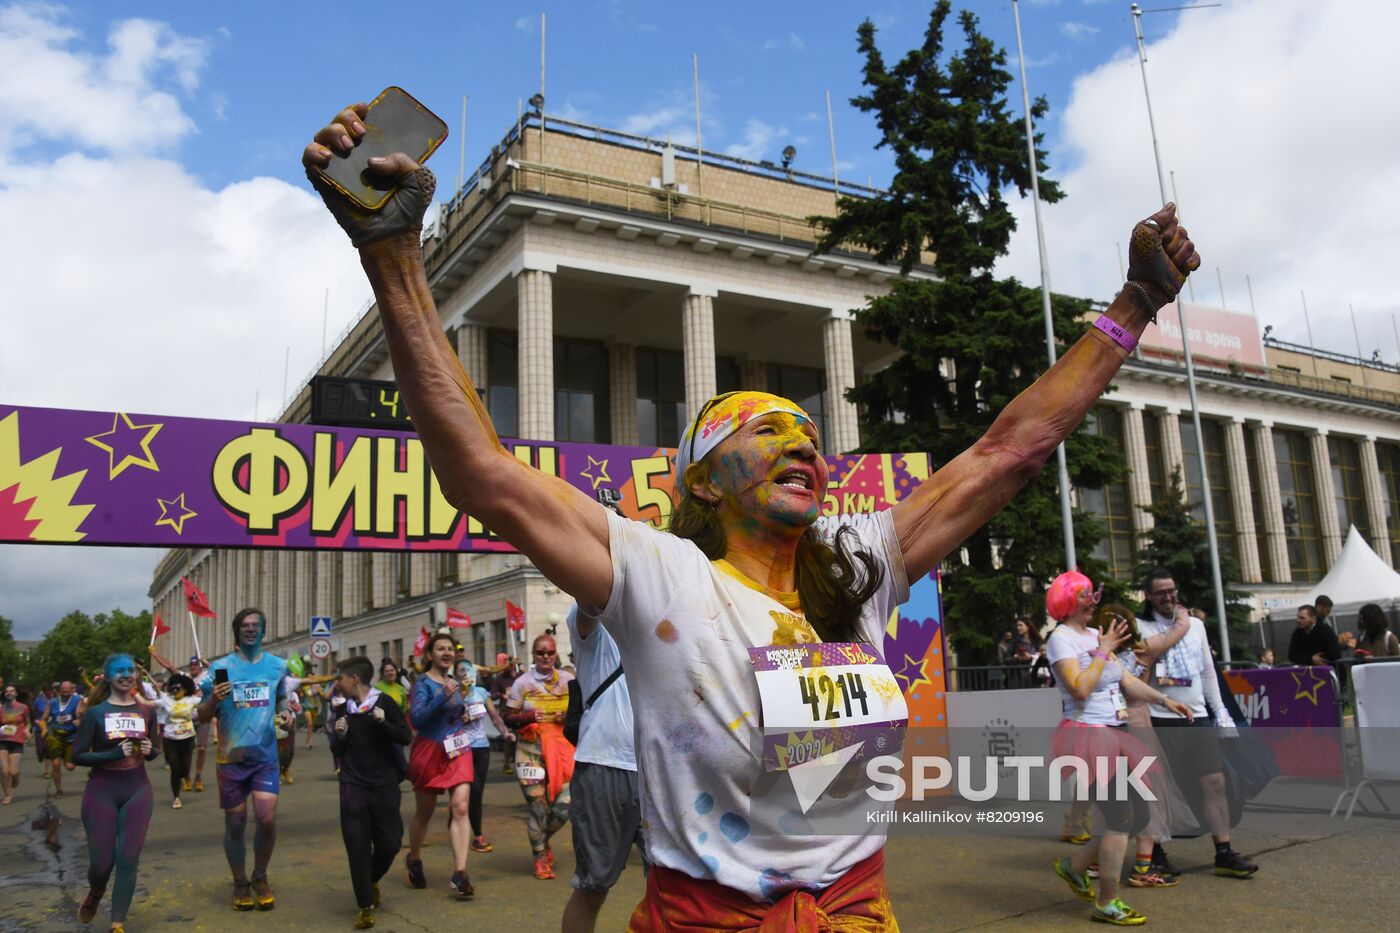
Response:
column 831, row 589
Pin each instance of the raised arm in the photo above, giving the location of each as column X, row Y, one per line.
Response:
column 561, row 530
column 1158, row 645
column 962, row 496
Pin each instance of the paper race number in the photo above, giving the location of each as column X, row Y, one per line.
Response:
column 476, row 710
column 124, row 726
column 529, row 774
column 456, row 743
column 246, row 696
column 9, row 729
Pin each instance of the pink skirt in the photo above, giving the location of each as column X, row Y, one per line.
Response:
column 1081, row 740
column 429, row 768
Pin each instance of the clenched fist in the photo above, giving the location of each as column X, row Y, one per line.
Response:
column 1160, row 257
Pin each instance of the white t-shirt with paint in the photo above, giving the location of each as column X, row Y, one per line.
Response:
column 1097, row 709
column 683, row 626
column 605, row 732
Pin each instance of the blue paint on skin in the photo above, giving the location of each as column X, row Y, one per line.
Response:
column 734, row 827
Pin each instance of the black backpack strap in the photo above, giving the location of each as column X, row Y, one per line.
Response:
column 593, row 697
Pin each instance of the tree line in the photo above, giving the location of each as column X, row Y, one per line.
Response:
column 78, row 641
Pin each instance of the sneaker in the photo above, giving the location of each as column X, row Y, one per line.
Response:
column 364, row 918
column 1093, row 870
column 287, row 778
column 1233, row 865
column 88, row 908
column 479, row 844
column 1151, row 879
column 462, row 885
column 1075, row 839
column 243, row 896
column 185, row 785
column 1118, row 914
column 1161, row 864
column 543, row 870
column 415, row 872
column 1077, row 882
column 176, row 805
column 199, row 785
column 262, row 892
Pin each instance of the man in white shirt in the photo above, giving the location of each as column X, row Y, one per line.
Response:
column 1186, row 672
column 606, row 812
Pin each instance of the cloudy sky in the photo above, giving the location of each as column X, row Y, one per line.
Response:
column 161, row 252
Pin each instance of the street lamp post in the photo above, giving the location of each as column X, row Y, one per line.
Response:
column 1190, row 367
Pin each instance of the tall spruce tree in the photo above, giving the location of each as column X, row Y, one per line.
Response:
column 970, row 342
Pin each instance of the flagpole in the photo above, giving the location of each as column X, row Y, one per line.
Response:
column 195, row 635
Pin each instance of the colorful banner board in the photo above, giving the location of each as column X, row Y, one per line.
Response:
column 120, row 478
column 1295, row 711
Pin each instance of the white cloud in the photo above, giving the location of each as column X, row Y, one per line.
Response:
column 1077, row 31
column 791, row 41
column 1273, row 119
column 135, row 286
column 526, row 24
column 760, row 141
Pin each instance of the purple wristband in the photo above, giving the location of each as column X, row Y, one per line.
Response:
column 1119, row 333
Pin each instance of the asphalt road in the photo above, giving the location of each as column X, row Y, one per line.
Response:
column 1317, row 874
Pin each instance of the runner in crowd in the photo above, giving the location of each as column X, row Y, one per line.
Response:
column 14, row 732
column 196, row 669
column 607, row 807
column 506, row 672
column 60, row 723
column 1096, row 688
column 440, row 760
column 369, row 734
column 311, row 705
column 544, row 759
column 1185, row 671
column 114, row 740
column 38, row 709
column 478, row 708
column 179, row 703
column 745, row 562
column 246, row 690
column 390, row 684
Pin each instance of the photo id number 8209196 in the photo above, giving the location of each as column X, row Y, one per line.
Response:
column 822, row 691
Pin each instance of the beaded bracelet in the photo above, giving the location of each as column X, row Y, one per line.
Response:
column 1145, row 300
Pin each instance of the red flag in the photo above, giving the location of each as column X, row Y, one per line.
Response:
column 515, row 617
column 421, row 644
column 160, row 628
column 458, row 619
column 195, row 600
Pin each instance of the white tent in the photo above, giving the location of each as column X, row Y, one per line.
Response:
column 1359, row 576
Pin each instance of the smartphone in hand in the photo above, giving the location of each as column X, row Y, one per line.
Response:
column 220, row 676
column 396, row 122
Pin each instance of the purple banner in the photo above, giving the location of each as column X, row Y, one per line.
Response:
column 1295, row 710
column 121, row 478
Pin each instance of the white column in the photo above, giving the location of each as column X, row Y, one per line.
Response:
column 698, row 343
column 1170, row 423
column 351, row 600
column 1139, row 472
column 1246, row 541
column 1375, row 500
column 1326, row 497
column 1271, row 501
column 622, row 392
column 535, row 327
column 842, row 428
column 471, row 350
column 422, row 573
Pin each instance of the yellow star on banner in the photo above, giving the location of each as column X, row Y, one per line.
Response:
column 174, row 512
column 1308, row 692
column 123, row 438
column 601, row 466
column 912, row 672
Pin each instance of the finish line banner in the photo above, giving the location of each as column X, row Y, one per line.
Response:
column 118, row 478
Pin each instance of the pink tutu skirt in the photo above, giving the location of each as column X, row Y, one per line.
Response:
column 1088, row 742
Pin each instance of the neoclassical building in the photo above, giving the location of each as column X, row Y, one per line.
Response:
column 598, row 286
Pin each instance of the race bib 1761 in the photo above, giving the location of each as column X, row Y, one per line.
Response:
column 124, row 726
column 254, row 693
column 821, row 698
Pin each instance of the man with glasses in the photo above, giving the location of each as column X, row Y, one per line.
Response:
column 544, row 759
column 1186, row 672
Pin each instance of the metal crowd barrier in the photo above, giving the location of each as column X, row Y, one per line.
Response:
column 1353, row 758
column 994, row 677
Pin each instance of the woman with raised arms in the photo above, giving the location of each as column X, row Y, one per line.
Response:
column 746, row 564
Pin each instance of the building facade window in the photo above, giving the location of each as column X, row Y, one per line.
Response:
column 397, row 654
column 367, row 581
column 1221, row 497
column 661, row 415
column 1388, row 456
column 503, row 381
column 1156, row 464
column 582, row 409
column 806, row 387
column 446, row 568
column 1269, row 572
column 1345, row 458
column 1299, row 494
column 403, row 574
column 1111, row 504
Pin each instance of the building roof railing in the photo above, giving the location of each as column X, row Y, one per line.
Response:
column 1330, row 355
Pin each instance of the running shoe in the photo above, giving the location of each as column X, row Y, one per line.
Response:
column 243, row 896
column 199, row 785
column 479, row 844
column 6, row 802
column 185, row 785
column 177, row 804
column 88, row 908
column 287, row 777
column 462, row 885
column 1093, row 870
column 1118, row 914
column 364, row 919
column 1075, row 839
column 1161, row 864
column 543, row 870
column 415, row 872
column 1077, row 882
column 1151, row 879
column 1233, row 865
column 262, row 891
column 118, row 928
column 58, row 795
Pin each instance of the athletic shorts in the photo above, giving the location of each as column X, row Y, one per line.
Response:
column 59, row 745
column 606, row 815
column 14, row 748
column 1192, row 748
column 238, row 780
